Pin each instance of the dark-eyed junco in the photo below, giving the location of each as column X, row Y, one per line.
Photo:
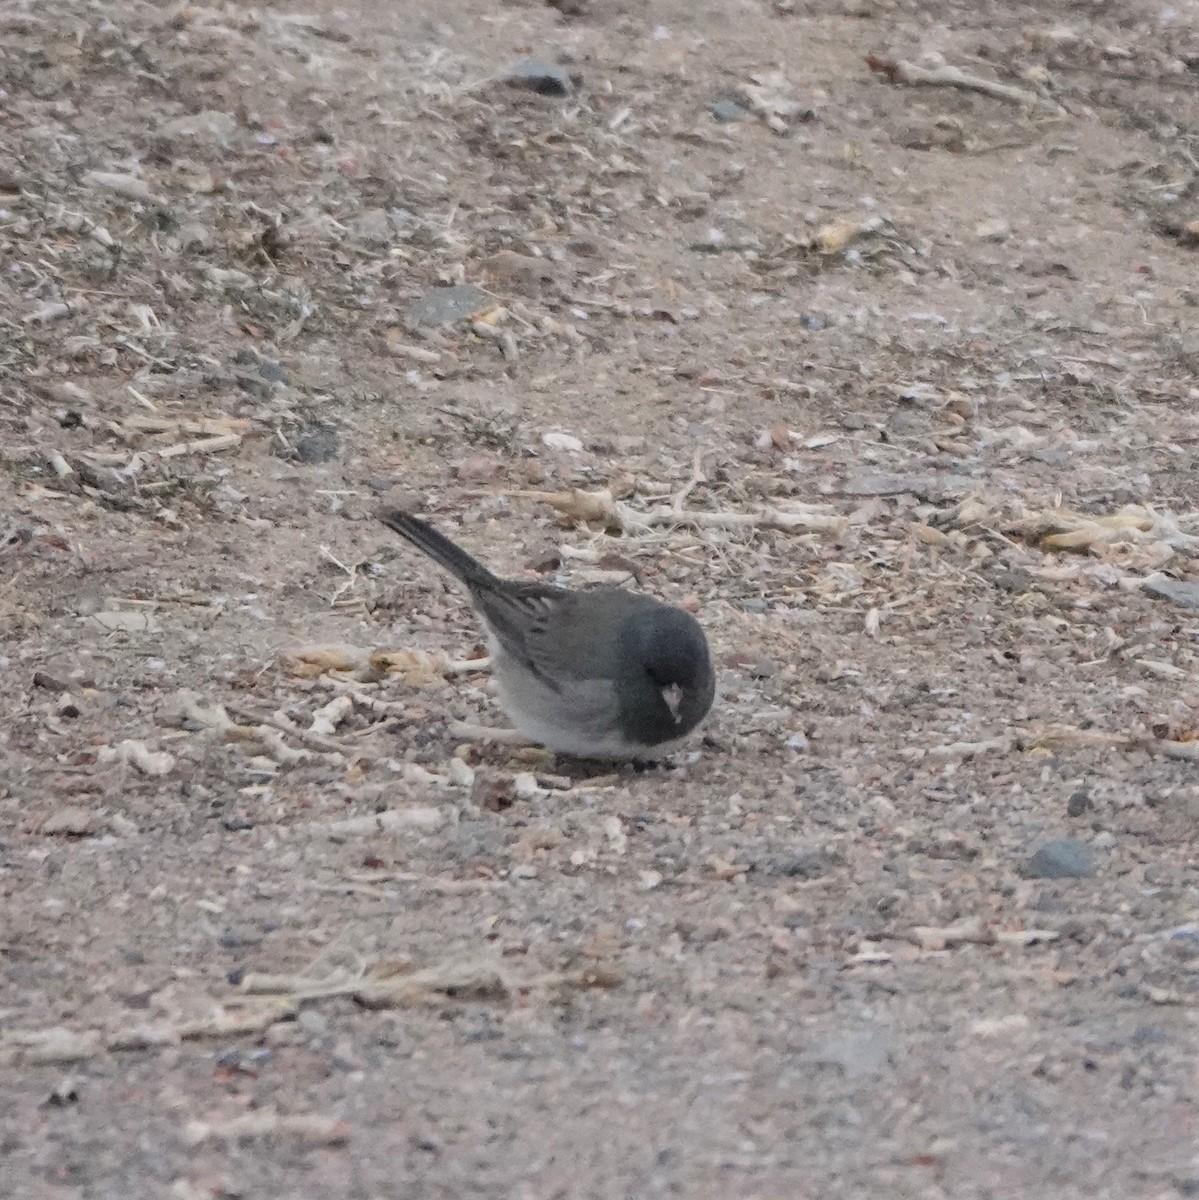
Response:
column 602, row 673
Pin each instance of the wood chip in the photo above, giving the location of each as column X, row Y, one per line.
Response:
column 306, row 1128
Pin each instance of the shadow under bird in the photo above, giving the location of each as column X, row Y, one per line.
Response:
column 602, row 673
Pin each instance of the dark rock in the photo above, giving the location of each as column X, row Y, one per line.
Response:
column 794, row 864
column 254, row 385
column 1060, row 858
column 232, row 939
column 65, row 1093
column 545, row 563
column 1079, row 803
column 1013, row 580
column 103, row 479
column 272, row 372
column 320, row 444
column 538, row 75
column 493, row 791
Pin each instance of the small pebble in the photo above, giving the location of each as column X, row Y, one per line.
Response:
column 374, row 226
column 272, row 372
column 1148, row 1035
column 1184, row 944
column 728, row 110
column 525, row 786
column 796, row 864
column 70, row 821
column 318, row 445
column 856, row 1053
column 538, row 75
column 447, row 305
column 1060, row 858
column 1079, row 803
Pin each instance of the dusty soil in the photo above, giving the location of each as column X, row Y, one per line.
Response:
column 271, row 928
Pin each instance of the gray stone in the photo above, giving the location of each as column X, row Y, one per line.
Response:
column 209, row 124
column 1013, row 580
column 447, row 305
column 796, row 863
column 728, row 110
column 1183, row 943
column 857, row 1053
column 373, row 225
column 1180, row 592
column 1060, row 858
column 272, row 372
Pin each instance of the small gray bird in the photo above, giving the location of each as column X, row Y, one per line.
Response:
column 602, row 673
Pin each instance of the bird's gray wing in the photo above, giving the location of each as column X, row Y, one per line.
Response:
column 582, row 636
column 557, row 635
column 518, row 616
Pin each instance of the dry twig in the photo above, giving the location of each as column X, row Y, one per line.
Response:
column 898, row 70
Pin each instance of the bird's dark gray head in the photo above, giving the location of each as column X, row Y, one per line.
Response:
column 678, row 683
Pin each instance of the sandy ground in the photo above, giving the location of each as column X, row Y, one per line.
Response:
column 893, row 384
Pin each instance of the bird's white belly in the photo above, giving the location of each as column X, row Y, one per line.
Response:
column 581, row 719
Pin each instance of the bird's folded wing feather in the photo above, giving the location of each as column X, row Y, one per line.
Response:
column 560, row 635
column 518, row 618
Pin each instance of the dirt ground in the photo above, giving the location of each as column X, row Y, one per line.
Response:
column 893, row 384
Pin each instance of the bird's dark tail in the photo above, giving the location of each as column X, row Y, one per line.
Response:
column 438, row 547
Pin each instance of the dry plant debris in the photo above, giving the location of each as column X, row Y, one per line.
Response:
column 942, row 74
